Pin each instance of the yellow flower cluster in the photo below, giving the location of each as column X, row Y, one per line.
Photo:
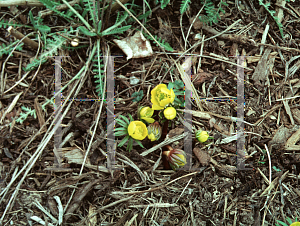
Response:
column 161, row 97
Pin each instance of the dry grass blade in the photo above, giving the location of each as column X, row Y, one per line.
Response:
column 130, row 163
column 162, row 144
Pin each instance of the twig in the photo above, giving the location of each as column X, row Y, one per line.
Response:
column 105, row 207
column 20, row 2
column 22, row 37
column 162, row 144
column 153, row 189
column 270, row 168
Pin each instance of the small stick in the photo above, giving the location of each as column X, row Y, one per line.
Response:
column 270, row 169
column 19, row 36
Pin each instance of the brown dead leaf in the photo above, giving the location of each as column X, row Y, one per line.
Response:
column 197, row 23
column 293, row 139
column 39, row 112
column 175, row 132
column 234, row 50
column 202, row 156
column 201, row 77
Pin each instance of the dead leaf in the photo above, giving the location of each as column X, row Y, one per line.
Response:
column 293, row 139
column 197, row 23
column 175, row 132
column 203, row 157
column 136, row 46
column 201, row 77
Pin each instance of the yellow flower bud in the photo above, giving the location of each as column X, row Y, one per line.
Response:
column 202, row 136
column 146, row 113
column 137, row 130
column 154, row 131
column 170, row 113
column 176, row 158
column 161, row 96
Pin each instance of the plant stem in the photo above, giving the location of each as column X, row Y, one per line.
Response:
column 166, row 149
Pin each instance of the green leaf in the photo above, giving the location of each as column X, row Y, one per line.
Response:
column 224, row 3
column 139, row 96
column 282, row 223
column 131, row 119
column 178, row 93
column 276, row 169
column 43, row 28
column 121, row 133
column 129, row 146
column 179, row 102
column 184, row 6
column 161, row 42
column 116, row 30
column 123, row 141
column 114, row 27
column 164, row 3
column 99, row 26
column 288, row 219
column 170, row 85
column 121, row 129
column 86, row 31
column 32, row 19
column 121, row 123
column 178, row 84
column 139, row 143
column 126, row 119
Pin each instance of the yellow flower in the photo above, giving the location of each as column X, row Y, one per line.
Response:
column 202, row 136
column 146, row 113
column 176, row 158
column 161, row 96
column 137, row 130
column 170, row 113
column 154, row 131
column 295, row 224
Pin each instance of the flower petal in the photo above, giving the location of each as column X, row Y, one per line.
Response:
column 149, row 120
column 151, row 137
column 137, row 130
column 172, row 96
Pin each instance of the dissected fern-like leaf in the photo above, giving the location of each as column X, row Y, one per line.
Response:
column 160, row 41
column 51, row 49
column 6, row 49
column 23, row 116
column 272, row 13
column 164, row 3
column 184, row 6
column 97, row 68
column 116, row 30
column 212, row 12
column 109, row 30
column 5, row 23
column 91, row 7
column 52, row 6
